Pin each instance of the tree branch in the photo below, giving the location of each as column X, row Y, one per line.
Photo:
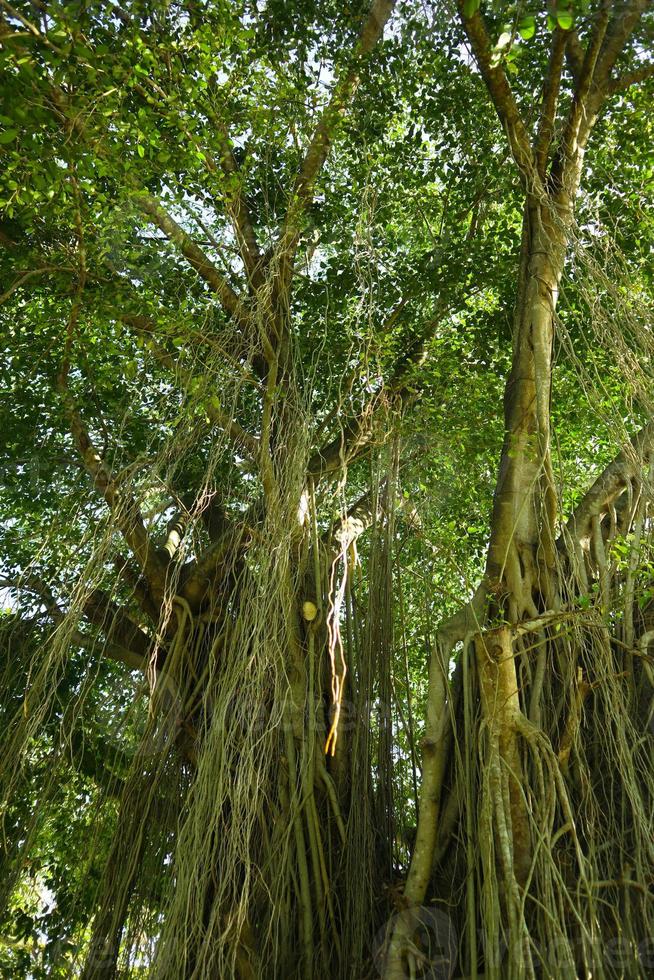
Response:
column 622, row 25
column 356, row 436
column 323, row 136
column 501, row 94
column 574, row 55
column 126, row 644
column 353, row 438
column 193, row 253
column 87, row 755
column 610, row 484
column 199, row 578
column 240, row 437
column 234, row 200
column 607, row 41
column 629, row 78
column 24, row 276
column 116, row 624
column 152, row 208
column 29, row 582
column 549, row 102
column 238, row 210
column 123, row 506
column 107, row 648
column 586, row 101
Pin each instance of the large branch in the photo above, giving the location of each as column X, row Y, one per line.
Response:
column 622, row 25
column 199, row 579
column 583, row 110
column 610, row 484
column 117, row 625
column 549, row 101
column 574, row 54
column 133, row 656
column 501, row 94
column 607, row 41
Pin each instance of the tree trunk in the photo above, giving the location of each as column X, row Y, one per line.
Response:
column 534, row 835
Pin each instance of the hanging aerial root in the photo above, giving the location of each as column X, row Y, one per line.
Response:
column 501, row 707
column 335, row 645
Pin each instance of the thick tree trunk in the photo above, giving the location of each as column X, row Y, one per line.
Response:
column 521, row 554
column 520, row 582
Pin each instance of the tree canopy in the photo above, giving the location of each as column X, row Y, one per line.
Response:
column 325, row 558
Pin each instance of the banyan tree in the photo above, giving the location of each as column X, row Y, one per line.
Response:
column 318, row 658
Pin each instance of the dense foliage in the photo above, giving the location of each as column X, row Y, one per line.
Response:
column 259, row 269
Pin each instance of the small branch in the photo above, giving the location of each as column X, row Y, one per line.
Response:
column 193, row 253
column 239, row 436
column 234, row 200
column 84, row 755
column 152, row 208
column 17, row 283
column 106, row 648
column 126, row 513
column 629, row 78
column 323, row 136
column 34, row 584
column 354, row 437
column 319, row 146
column 29, row 26
column 238, row 210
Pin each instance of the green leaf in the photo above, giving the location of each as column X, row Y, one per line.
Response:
column 565, row 19
column 8, row 135
column 140, row 149
column 527, row 27
column 503, row 40
column 470, row 7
